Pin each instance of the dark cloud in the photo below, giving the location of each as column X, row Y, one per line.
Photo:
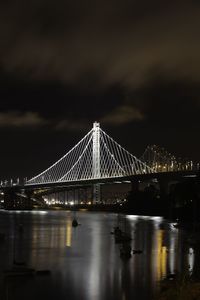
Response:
column 28, row 119
column 72, row 125
column 132, row 65
column 121, row 42
column 122, row 114
column 20, row 119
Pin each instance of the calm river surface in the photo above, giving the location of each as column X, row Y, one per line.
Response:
column 85, row 262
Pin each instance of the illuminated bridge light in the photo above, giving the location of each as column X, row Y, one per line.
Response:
column 96, row 156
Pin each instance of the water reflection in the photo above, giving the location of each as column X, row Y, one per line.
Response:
column 94, row 274
column 85, row 261
column 161, row 255
column 191, row 257
column 173, row 236
column 69, row 233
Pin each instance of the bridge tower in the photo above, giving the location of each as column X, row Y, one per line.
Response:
column 96, row 162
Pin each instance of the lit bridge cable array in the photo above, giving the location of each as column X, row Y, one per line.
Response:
column 161, row 160
column 96, row 156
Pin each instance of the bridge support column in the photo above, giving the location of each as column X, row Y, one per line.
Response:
column 96, row 163
column 9, row 199
column 74, row 195
column 163, row 185
column 66, row 197
column 17, row 199
column 96, row 193
column 78, row 196
column 135, row 186
column 28, row 201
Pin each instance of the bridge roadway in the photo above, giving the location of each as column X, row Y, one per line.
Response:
column 25, row 192
column 163, row 176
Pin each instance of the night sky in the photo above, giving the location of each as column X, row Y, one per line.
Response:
column 134, row 66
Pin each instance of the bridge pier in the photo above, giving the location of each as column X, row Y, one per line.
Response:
column 135, row 186
column 75, row 197
column 97, row 194
column 17, row 199
column 29, row 201
column 164, row 188
column 9, row 196
column 66, row 197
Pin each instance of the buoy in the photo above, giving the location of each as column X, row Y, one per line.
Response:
column 74, row 223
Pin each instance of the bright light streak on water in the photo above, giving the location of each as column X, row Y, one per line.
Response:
column 161, row 256
column 34, row 212
column 172, row 251
column 95, row 265
column 85, row 261
column 136, row 217
column 191, row 257
column 69, row 233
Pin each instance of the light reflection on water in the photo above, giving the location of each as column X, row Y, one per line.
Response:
column 85, row 261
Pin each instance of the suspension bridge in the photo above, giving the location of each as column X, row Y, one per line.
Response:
column 97, row 158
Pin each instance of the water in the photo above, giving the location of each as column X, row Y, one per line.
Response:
column 85, row 262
